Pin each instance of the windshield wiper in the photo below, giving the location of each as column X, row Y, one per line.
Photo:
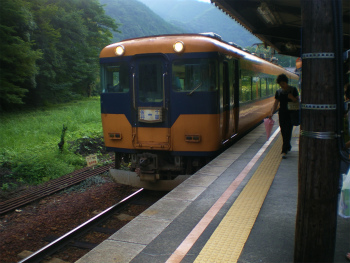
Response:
column 200, row 84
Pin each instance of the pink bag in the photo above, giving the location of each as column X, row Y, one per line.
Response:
column 268, row 126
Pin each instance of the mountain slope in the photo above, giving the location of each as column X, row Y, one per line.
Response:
column 136, row 20
column 198, row 17
column 139, row 18
column 178, row 10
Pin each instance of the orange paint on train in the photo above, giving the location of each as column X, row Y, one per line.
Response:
column 114, row 124
column 151, row 138
column 252, row 113
column 164, row 45
column 163, row 138
column 206, row 126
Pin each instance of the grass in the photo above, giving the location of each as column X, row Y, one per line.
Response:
column 29, row 140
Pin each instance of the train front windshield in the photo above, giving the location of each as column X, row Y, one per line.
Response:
column 150, row 81
column 194, row 75
column 191, row 75
column 115, row 78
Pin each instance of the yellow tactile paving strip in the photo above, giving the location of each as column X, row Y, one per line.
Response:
column 227, row 241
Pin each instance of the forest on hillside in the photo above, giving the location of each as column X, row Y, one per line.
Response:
column 49, row 50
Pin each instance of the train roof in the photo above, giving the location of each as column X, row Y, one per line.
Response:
column 164, row 44
column 193, row 43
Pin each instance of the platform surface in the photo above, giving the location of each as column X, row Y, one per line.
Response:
column 241, row 207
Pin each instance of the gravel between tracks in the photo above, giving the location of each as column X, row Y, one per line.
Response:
column 25, row 228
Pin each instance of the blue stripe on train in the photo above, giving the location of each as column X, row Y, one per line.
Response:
column 180, row 103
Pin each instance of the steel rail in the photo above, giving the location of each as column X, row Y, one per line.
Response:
column 52, row 187
column 52, row 247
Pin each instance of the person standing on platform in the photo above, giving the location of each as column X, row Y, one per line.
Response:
column 284, row 95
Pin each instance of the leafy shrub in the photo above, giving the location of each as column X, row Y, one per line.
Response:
column 43, row 167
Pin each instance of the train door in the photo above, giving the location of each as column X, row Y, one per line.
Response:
column 226, row 100
column 149, row 82
column 235, row 97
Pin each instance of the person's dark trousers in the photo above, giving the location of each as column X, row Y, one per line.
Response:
column 286, row 131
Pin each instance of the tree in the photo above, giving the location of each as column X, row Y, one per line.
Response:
column 50, row 48
column 72, row 33
column 17, row 57
column 97, row 27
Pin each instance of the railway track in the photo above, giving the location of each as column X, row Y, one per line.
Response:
column 95, row 224
column 52, row 187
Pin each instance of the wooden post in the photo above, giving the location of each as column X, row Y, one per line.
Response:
column 319, row 159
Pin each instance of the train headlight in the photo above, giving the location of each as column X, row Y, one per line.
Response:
column 178, row 47
column 119, row 50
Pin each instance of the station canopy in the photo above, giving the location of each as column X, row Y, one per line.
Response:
column 277, row 23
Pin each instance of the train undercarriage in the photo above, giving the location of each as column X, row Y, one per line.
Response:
column 155, row 170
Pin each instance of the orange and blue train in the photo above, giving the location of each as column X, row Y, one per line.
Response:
column 170, row 103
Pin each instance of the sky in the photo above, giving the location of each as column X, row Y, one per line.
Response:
column 207, row 1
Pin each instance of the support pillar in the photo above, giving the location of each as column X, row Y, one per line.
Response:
column 319, row 159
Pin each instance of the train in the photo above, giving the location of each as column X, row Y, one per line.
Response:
column 171, row 103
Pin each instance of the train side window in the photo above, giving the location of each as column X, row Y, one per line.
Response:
column 263, row 86
column 114, row 79
column 270, row 84
column 255, row 88
column 198, row 75
column 245, row 93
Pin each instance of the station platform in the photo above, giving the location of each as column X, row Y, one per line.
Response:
column 241, row 207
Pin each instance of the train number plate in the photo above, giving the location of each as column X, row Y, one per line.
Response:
column 150, row 114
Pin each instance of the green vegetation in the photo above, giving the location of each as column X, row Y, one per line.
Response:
column 29, row 141
column 50, row 49
column 282, row 60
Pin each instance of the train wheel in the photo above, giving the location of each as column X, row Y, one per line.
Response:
column 117, row 160
column 189, row 166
